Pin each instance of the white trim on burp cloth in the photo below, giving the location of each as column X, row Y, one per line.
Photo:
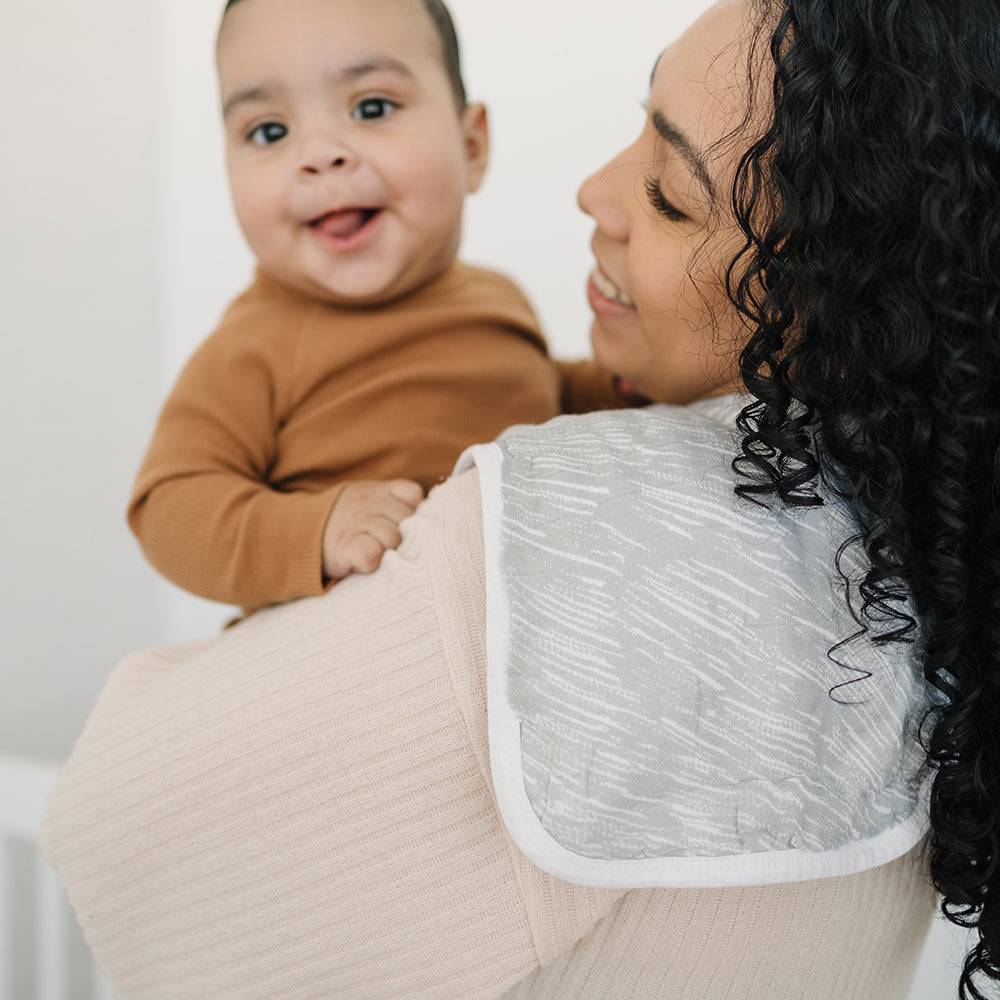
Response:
column 658, row 685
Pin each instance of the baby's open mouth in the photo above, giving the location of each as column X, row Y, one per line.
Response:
column 345, row 223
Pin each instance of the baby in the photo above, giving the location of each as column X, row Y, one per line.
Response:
column 346, row 381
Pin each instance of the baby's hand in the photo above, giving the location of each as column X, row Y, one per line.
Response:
column 364, row 523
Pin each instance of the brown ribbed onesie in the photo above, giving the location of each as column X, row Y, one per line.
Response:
column 290, row 398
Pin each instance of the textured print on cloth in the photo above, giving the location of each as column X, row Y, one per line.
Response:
column 662, row 708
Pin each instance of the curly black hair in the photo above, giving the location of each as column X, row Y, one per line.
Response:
column 870, row 281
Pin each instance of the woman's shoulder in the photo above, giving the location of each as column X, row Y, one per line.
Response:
column 685, row 450
column 459, row 494
column 446, row 531
column 709, row 418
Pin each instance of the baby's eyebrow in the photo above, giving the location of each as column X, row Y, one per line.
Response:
column 376, row 64
column 248, row 95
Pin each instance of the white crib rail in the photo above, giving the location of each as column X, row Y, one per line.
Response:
column 24, row 787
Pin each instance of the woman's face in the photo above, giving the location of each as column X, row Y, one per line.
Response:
column 672, row 334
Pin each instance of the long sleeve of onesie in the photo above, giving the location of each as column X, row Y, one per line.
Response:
column 203, row 508
column 290, row 400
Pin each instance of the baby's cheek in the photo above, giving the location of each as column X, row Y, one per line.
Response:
column 250, row 208
column 436, row 190
column 263, row 220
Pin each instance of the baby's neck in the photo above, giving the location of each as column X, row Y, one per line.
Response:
column 428, row 284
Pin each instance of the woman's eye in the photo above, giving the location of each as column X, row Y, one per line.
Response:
column 267, row 134
column 658, row 200
column 372, row 108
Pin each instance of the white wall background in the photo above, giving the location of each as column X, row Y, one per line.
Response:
column 81, row 266
column 119, row 252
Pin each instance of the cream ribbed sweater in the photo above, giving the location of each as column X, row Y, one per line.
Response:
column 302, row 808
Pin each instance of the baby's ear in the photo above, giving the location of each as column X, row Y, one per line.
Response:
column 476, row 129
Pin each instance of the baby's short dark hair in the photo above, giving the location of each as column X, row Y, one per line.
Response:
column 445, row 26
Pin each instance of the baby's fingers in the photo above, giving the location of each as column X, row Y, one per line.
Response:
column 367, row 549
column 364, row 553
column 395, row 510
column 407, row 491
column 384, row 530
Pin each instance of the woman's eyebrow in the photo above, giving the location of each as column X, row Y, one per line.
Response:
column 671, row 134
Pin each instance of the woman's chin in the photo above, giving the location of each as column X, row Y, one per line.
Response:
column 609, row 352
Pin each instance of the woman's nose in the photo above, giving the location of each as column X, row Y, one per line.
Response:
column 323, row 153
column 601, row 198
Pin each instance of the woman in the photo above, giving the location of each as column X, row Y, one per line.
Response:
column 303, row 807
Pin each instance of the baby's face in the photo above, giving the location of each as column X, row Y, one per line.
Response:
column 349, row 159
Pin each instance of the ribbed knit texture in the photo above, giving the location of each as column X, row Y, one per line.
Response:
column 291, row 398
column 301, row 810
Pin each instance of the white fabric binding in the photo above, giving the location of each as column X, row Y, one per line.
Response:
column 695, row 868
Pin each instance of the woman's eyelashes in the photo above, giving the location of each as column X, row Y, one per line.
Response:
column 655, row 193
column 658, row 200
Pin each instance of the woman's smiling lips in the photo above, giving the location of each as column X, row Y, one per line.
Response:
column 606, row 298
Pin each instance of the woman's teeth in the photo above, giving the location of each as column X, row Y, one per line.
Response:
column 609, row 289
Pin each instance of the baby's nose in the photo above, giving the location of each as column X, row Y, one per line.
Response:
column 320, row 154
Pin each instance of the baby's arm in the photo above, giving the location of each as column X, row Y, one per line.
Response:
column 587, row 387
column 203, row 508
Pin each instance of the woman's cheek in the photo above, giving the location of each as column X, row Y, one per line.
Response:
column 659, row 288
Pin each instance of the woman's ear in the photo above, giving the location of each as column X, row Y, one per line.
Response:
column 476, row 131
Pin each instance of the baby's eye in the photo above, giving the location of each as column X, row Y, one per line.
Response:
column 372, row 108
column 267, row 134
